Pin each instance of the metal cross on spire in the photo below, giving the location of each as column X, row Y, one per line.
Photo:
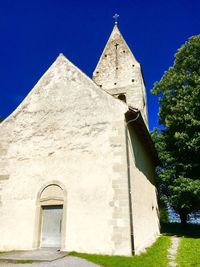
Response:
column 115, row 17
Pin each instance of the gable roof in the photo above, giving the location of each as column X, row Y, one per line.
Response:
column 62, row 69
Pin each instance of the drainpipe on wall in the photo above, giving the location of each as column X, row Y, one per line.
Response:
column 129, row 183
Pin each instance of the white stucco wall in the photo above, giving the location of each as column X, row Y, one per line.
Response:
column 70, row 131
column 144, row 196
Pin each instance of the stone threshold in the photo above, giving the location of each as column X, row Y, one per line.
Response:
column 39, row 255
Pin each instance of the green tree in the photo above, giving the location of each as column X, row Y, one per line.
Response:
column 178, row 142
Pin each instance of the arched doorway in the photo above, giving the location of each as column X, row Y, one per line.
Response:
column 51, row 213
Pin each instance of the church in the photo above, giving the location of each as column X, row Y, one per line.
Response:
column 77, row 163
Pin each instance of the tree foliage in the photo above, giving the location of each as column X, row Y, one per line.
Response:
column 178, row 143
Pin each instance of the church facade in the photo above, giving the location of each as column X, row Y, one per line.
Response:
column 77, row 164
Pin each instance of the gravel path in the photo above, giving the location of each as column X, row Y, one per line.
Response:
column 172, row 251
column 68, row 261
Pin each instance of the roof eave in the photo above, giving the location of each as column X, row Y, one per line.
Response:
column 140, row 127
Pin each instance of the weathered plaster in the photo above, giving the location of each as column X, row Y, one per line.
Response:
column 64, row 130
column 71, row 133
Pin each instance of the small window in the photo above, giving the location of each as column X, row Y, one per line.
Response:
column 105, row 55
column 124, row 51
column 115, row 83
column 132, row 80
column 122, row 97
column 100, row 85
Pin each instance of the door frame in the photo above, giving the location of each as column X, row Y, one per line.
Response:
column 52, row 201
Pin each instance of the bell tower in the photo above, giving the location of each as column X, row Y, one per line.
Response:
column 119, row 73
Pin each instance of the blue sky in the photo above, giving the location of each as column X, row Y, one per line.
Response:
column 34, row 32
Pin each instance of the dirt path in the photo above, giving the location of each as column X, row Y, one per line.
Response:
column 172, row 251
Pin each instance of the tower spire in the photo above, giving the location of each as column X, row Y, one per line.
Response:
column 119, row 73
column 115, row 17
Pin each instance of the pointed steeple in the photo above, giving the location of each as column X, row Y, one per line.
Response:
column 119, row 73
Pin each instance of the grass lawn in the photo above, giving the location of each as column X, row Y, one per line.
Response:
column 189, row 247
column 156, row 256
column 189, row 252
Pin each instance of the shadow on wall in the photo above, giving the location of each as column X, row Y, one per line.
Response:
column 143, row 161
